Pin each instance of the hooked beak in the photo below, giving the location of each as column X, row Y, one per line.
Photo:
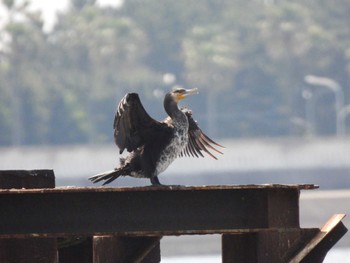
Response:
column 187, row 93
column 191, row 91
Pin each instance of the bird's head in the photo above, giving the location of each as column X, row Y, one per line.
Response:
column 178, row 94
column 173, row 97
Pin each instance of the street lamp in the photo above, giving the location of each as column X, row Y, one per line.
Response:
column 339, row 98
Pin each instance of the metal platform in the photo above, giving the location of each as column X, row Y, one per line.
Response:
column 258, row 223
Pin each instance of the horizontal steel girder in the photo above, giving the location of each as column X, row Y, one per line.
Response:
column 142, row 211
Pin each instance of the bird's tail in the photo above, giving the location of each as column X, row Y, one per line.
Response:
column 108, row 176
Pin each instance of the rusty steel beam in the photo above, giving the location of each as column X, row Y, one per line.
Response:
column 31, row 249
column 317, row 248
column 265, row 246
column 27, row 179
column 81, row 251
column 146, row 211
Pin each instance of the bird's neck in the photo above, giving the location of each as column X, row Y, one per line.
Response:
column 175, row 114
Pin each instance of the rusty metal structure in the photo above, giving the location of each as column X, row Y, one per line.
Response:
column 258, row 223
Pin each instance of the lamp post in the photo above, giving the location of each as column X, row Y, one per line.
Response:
column 309, row 111
column 339, row 98
column 344, row 112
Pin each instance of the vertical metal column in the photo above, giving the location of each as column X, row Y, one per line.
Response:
column 264, row 246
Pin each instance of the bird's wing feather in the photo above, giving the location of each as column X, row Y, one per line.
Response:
column 132, row 124
column 198, row 141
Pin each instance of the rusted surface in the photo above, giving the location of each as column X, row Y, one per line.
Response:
column 332, row 223
column 316, row 249
column 142, row 233
column 148, row 210
column 32, row 249
column 239, row 248
column 77, row 252
column 259, row 223
column 109, row 249
column 20, row 179
column 279, row 200
column 265, row 246
column 161, row 188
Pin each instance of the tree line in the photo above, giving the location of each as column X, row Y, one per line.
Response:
column 248, row 58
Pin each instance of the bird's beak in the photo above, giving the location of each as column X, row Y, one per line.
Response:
column 187, row 93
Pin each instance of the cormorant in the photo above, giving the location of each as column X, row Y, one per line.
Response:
column 154, row 145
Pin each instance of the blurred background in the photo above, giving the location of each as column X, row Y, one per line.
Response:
column 273, row 78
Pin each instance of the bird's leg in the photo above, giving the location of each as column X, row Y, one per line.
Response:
column 155, row 181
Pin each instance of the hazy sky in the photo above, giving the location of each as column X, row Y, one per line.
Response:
column 50, row 8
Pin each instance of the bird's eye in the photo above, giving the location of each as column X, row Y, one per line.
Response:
column 180, row 91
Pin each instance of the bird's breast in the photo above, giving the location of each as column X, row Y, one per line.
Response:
column 177, row 144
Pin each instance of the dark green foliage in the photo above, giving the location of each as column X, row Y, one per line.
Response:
column 248, row 58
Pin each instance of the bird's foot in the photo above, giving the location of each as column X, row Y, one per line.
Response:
column 155, row 181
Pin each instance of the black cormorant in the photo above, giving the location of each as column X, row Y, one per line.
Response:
column 154, row 145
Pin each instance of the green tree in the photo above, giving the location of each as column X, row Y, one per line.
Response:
column 23, row 77
column 100, row 58
column 248, row 58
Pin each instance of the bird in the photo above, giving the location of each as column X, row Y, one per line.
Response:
column 153, row 145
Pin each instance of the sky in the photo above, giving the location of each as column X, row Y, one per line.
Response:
column 49, row 9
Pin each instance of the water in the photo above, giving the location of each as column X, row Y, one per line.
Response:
column 334, row 256
column 338, row 255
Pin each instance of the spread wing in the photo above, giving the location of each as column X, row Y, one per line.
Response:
column 197, row 140
column 133, row 127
